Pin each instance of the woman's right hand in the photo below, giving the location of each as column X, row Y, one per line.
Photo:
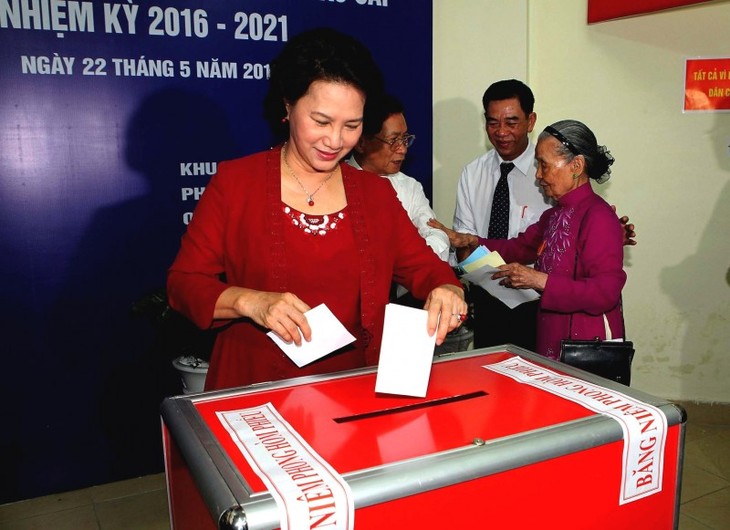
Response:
column 282, row 313
column 518, row 276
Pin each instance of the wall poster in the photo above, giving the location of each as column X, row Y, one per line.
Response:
column 113, row 116
column 707, row 84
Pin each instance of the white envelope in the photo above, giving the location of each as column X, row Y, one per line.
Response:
column 328, row 335
column 479, row 267
column 406, row 353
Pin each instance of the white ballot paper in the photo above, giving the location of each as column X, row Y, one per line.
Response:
column 328, row 334
column 480, row 273
column 406, row 352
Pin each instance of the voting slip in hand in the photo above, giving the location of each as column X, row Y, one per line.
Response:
column 406, row 352
column 328, row 335
column 479, row 267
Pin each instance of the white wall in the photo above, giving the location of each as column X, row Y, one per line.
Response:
column 624, row 79
column 469, row 41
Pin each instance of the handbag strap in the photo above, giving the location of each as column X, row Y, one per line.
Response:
column 606, row 326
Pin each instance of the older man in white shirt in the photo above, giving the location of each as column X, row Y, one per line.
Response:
column 382, row 150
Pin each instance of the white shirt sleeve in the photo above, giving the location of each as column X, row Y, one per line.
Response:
column 412, row 197
column 473, row 198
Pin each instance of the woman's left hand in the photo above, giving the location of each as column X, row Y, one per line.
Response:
column 518, row 276
column 446, row 310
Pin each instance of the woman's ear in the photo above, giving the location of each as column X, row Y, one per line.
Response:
column 578, row 164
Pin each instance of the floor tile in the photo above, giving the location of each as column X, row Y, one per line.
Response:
column 687, row 523
column 711, row 452
column 696, row 431
column 44, row 505
column 147, row 511
column 712, row 510
column 81, row 518
column 707, row 413
column 126, row 488
column 696, row 482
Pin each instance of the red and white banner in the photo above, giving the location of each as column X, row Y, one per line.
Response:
column 644, row 426
column 308, row 491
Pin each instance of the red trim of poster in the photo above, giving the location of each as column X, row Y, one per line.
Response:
column 707, row 84
column 600, row 10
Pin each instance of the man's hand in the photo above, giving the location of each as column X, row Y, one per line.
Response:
column 456, row 239
column 629, row 233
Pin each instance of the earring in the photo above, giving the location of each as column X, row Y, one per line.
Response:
column 285, row 119
column 576, row 176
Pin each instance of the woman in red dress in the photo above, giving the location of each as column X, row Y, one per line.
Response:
column 279, row 232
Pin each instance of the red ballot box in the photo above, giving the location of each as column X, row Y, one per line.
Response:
column 481, row 450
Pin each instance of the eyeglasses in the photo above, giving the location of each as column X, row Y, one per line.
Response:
column 405, row 140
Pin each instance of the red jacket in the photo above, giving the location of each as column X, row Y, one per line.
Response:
column 236, row 231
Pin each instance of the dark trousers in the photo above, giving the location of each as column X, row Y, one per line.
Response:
column 494, row 323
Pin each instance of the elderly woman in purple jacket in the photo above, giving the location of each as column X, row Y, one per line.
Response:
column 577, row 246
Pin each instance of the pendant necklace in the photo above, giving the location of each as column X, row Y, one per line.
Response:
column 310, row 196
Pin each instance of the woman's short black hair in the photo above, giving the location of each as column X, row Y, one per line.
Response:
column 321, row 54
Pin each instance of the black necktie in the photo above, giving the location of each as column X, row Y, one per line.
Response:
column 499, row 218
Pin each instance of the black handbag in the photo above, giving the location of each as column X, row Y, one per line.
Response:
column 608, row 359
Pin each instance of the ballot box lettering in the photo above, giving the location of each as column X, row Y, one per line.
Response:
column 487, row 446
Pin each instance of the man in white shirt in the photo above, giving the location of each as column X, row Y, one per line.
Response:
column 382, row 148
column 508, row 109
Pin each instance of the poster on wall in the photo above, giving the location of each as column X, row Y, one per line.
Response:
column 113, row 116
column 707, row 84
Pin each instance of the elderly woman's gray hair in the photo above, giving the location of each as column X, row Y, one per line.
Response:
column 576, row 139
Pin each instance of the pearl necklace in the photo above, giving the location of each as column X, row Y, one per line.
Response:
column 310, row 196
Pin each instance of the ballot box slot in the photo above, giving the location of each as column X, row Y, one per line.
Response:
column 413, row 406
